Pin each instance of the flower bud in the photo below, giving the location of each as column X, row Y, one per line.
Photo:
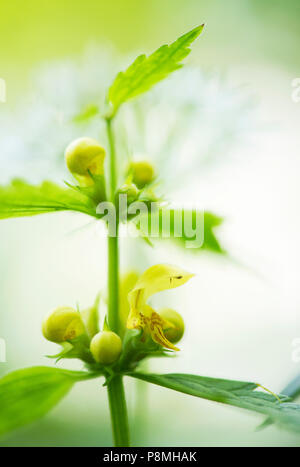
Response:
column 85, row 156
column 130, row 190
column 175, row 330
column 63, row 324
column 106, row 347
column 142, row 173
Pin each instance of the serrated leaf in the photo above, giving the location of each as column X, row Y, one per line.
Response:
column 21, row 199
column 235, row 393
column 30, row 393
column 145, row 71
column 175, row 229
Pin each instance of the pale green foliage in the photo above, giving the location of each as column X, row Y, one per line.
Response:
column 87, row 113
column 145, row 71
column 28, row 394
column 292, row 390
column 236, row 393
column 168, row 232
column 23, row 199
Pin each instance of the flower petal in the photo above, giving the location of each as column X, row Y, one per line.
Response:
column 155, row 325
column 155, row 279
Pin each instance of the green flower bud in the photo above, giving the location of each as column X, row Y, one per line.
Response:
column 106, row 347
column 85, row 156
column 63, row 324
column 175, row 331
column 142, row 173
column 130, row 190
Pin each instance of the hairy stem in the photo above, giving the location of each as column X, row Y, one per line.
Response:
column 115, row 388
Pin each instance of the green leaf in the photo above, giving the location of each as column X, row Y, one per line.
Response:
column 95, row 192
column 145, row 72
column 75, row 348
column 23, row 199
column 235, row 393
column 90, row 318
column 89, row 112
column 30, row 393
column 176, row 228
column 292, row 390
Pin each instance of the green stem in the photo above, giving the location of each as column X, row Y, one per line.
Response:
column 112, row 161
column 113, row 283
column 118, row 412
column 115, row 388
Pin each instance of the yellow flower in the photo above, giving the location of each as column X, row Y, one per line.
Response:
column 155, row 279
column 127, row 282
column 175, row 332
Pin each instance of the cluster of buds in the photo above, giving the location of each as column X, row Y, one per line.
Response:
column 85, row 159
column 65, row 324
column 163, row 328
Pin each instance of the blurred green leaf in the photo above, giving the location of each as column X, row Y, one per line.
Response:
column 145, row 72
column 176, row 228
column 23, row 199
column 90, row 318
column 235, row 393
column 292, row 390
column 30, row 393
column 89, row 112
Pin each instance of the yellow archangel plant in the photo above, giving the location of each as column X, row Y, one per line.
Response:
column 141, row 316
column 103, row 346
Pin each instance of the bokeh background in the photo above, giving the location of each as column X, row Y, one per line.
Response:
column 224, row 133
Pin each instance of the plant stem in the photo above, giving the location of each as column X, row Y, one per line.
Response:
column 113, row 243
column 115, row 388
column 118, row 412
column 113, row 284
column 112, row 161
